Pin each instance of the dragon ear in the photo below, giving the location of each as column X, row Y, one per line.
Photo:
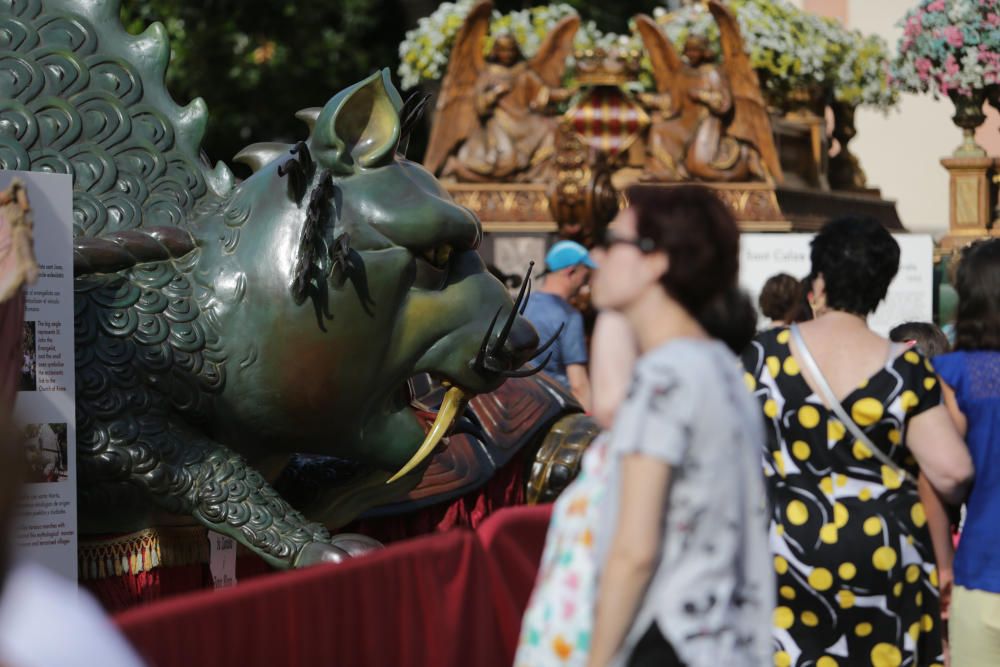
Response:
column 359, row 128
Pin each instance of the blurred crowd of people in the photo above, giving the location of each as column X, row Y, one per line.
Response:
column 792, row 496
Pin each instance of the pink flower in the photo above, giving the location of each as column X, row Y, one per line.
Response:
column 936, row 6
column 993, row 19
column 914, row 25
column 954, row 36
column 951, row 65
column 924, row 66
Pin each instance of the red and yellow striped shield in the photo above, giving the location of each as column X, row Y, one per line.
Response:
column 607, row 119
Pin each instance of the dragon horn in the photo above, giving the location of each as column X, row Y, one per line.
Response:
column 550, row 341
column 525, row 304
column 527, row 372
column 502, row 338
column 481, row 357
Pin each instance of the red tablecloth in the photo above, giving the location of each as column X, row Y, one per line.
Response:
column 454, row 598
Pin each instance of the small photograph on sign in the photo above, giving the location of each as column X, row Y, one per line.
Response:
column 29, row 359
column 45, row 454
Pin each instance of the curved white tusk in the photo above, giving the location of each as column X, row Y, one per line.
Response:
column 451, row 406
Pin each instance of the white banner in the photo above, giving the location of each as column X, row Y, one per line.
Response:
column 910, row 296
column 46, row 401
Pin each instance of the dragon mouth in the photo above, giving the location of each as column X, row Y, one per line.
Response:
column 492, row 364
column 454, row 402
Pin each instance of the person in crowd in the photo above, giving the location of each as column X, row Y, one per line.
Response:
column 781, row 300
column 971, row 383
column 732, row 318
column 567, row 270
column 852, row 419
column 926, row 337
column 669, row 511
column 931, row 342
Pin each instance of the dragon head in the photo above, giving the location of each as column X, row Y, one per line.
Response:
column 341, row 270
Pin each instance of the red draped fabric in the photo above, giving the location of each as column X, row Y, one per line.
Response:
column 453, row 598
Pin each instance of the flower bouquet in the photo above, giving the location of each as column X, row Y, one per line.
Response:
column 952, row 48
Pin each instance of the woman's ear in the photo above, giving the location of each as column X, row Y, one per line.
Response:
column 658, row 264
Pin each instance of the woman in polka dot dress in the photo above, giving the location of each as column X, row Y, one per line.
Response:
column 856, row 578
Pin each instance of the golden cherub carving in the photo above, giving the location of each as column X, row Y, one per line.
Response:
column 710, row 122
column 492, row 120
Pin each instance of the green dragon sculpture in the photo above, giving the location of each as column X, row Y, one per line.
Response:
column 222, row 327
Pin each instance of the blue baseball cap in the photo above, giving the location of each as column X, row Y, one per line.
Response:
column 565, row 254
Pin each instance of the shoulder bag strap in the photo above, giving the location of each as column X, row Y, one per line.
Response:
column 838, row 408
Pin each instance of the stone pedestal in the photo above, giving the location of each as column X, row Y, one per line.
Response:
column 970, row 200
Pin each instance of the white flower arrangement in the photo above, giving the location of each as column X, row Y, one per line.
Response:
column 788, row 47
column 425, row 50
column 792, row 49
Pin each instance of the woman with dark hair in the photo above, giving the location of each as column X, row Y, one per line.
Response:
column 781, row 299
column 671, row 505
column 971, row 385
column 852, row 421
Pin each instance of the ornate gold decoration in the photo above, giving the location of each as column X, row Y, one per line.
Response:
column 557, row 461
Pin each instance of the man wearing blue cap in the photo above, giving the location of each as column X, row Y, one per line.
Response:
column 567, row 270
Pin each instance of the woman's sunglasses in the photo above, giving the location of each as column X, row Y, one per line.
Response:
column 609, row 238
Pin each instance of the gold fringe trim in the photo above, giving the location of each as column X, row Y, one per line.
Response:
column 144, row 550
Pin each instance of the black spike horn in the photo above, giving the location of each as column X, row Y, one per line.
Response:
column 502, row 338
column 527, row 372
column 479, row 363
column 549, row 342
column 525, row 304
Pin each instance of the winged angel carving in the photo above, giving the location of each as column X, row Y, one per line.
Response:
column 492, row 121
column 710, row 122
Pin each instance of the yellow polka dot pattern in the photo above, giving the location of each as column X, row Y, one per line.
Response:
column 861, row 451
column 886, row 655
column 808, row 416
column 884, row 558
column 835, row 430
column 820, row 579
column 846, row 599
column 858, row 566
column 867, row 411
column 791, row 367
column 800, row 450
column 750, row 381
column 840, row 515
column 797, row 513
column 890, row 478
column 784, row 336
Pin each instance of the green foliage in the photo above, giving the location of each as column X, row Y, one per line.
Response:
column 257, row 63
